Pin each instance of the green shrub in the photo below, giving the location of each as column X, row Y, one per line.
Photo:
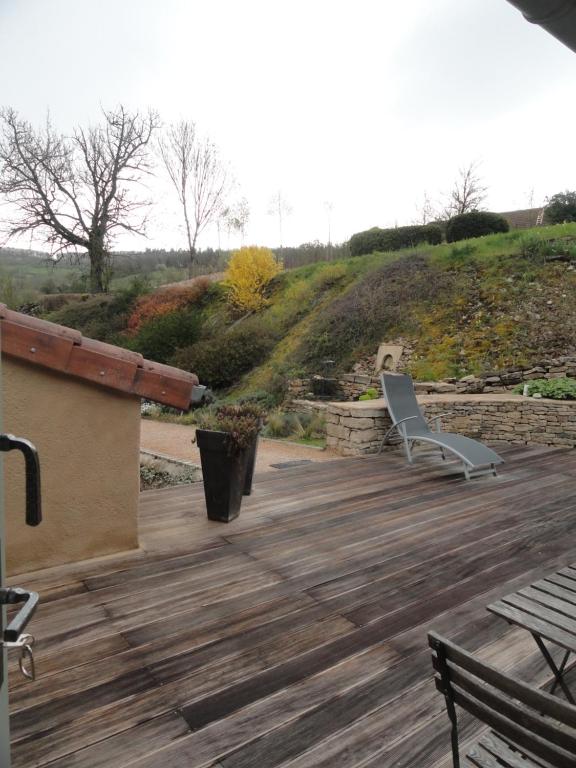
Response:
column 220, row 361
column 474, row 224
column 303, row 425
column 160, row 337
column 266, row 400
column 370, row 394
column 539, row 249
column 310, row 426
column 377, row 239
column 561, row 207
column 531, row 246
column 534, row 247
column 460, row 254
column 279, row 424
column 555, row 389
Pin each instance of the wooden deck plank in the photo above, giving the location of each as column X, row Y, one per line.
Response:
column 296, row 635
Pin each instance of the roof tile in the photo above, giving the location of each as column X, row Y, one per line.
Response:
column 35, row 324
column 106, row 369
column 62, row 349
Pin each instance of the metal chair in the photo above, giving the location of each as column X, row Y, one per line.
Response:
column 529, row 728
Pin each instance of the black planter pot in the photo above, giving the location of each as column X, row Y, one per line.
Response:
column 224, row 474
column 250, row 464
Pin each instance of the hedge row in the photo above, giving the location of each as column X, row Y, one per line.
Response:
column 474, row 224
column 377, row 239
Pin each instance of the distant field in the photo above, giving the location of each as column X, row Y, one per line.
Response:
column 22, row 282
column 24, row 276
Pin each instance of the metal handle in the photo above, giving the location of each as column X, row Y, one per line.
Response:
column 32, row 463
column 20, row 621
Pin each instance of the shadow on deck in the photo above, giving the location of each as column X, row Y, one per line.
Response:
column 295, row 635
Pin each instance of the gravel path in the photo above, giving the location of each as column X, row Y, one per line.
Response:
column 175, row 440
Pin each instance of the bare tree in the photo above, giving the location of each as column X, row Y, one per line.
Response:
column 279, row 207
column 329, row 208
column 75, row 191
column 426, row 211
column 467, row 194
column 199, row 177
column 237, row 216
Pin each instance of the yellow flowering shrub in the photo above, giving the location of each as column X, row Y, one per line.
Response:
column 250, row 269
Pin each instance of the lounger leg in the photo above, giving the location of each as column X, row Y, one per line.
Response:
column 466, row 470
column 443, row 452
column 386, row 436
column 407, row 449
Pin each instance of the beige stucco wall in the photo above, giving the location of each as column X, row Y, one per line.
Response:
column 88, row 439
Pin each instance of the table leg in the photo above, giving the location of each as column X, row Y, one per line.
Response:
column 561, row 669
column 555, row 671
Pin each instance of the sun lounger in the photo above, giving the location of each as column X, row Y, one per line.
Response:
column 408, row 421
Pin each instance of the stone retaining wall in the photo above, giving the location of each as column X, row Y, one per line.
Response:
column 353, row 384
column 358, row 428
column 363, row 375
column 503, row 381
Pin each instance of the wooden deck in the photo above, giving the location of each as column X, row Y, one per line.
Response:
column 296, row 635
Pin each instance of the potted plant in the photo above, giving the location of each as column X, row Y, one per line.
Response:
column 226, row 437
column 253, row 411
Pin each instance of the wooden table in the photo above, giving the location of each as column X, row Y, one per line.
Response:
column 547, row 609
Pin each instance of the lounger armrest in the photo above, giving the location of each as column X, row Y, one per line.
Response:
column 436, row 419
column 395, row 426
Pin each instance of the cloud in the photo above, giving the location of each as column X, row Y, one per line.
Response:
column 365, row 104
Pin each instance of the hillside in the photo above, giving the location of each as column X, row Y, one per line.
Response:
column 477, row 305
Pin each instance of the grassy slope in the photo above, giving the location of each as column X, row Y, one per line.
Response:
column 469, row 307
column 502, row 309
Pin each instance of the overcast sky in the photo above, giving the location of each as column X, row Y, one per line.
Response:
column 367, row 105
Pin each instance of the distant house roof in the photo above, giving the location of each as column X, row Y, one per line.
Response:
column 67, row 351
column 524, row 219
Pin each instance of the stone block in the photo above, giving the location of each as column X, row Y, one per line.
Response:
column 335, row 430
column 514, row 377
column 365, row 436
column 357, row 422
column 369, row 412
column 340, row 409
column 442, row 387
